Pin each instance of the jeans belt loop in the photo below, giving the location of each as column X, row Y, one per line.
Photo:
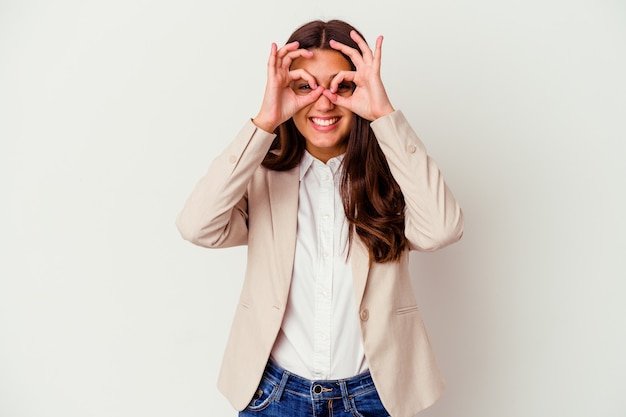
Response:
column 281, row 386
column 344, row 395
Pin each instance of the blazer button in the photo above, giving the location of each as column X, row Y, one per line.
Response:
column 365, row 314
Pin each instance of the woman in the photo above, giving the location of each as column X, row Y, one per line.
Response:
column 330, row 188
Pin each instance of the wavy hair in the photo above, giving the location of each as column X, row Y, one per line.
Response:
column 372, row 200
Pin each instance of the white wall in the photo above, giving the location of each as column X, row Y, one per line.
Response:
column 111, row 110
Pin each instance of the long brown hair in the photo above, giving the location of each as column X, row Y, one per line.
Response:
column 372, row 200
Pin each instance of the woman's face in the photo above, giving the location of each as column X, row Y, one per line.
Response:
column 324, row 125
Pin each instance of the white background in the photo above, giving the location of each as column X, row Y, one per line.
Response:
column 110, row 111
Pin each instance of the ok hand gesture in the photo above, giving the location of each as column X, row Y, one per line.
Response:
column 369, row 99
column 280, row 102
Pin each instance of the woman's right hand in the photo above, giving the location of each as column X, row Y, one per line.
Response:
column 280, row 102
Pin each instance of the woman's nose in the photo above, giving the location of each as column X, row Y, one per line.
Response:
column 323, row 103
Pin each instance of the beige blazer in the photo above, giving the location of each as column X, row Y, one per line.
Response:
column 238, row 202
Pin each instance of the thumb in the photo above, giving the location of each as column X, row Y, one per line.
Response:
column 304, row 101
column 338, row 100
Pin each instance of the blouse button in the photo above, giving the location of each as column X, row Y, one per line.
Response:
column 411, row 148
column 365, row 314
column 232, row 159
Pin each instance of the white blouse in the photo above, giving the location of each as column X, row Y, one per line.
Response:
column 320, row 337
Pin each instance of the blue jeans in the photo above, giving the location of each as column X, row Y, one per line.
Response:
column 283, row 394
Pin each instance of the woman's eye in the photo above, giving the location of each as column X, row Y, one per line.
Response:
column 345, row 88
column 303, row 89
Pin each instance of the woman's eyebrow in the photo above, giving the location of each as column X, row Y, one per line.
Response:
column 329, row 78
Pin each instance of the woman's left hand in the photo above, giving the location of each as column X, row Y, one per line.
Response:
column 369, row 99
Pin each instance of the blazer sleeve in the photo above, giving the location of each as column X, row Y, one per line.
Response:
column 433, row 218
column 216, row 212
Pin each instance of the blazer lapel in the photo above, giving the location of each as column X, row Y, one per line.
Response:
column 283, row 191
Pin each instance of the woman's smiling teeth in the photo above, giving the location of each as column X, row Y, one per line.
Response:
column 324, row 122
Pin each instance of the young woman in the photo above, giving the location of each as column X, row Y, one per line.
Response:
column 330, row 188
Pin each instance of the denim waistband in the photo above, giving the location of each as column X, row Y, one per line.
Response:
column 319, row 389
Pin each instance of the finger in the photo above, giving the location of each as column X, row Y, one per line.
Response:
column 363, row 46
column 378, row 52
column 301, row 74
column 271, row 61
column 293, row 55
column 284, row 50
column 340, row 77
column 338, row 100
column 352, row 53
column 304, row 101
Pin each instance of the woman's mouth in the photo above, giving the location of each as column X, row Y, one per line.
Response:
column 324, row 122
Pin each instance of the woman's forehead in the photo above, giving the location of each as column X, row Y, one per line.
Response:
column 324, row 62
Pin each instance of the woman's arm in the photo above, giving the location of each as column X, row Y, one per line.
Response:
column 433, row 218
column 216, row 212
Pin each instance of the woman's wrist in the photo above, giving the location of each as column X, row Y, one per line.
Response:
column 264, row 125
column 385, row 111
